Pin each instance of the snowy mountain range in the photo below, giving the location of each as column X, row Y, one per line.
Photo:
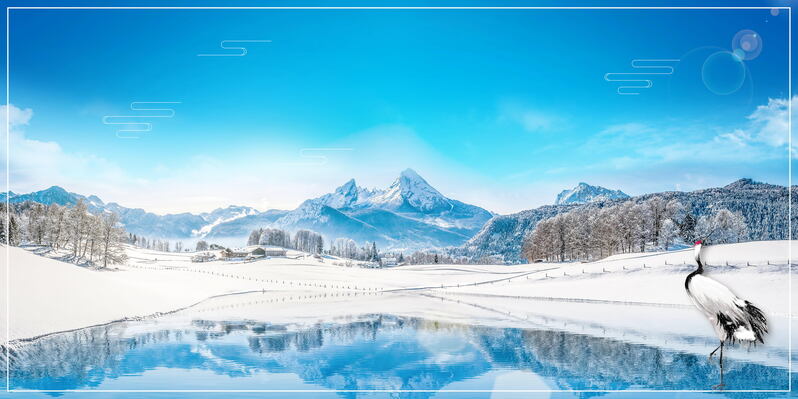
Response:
column 584, row 193
column 764, row 207
column 409, row 214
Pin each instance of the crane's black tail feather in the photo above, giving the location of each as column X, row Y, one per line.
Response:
column 759, row 324
column 753, row 320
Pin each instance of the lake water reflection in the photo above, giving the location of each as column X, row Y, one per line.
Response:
column 363, row 352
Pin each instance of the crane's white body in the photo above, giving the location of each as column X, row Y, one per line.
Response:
column 713, row 298
column 732, row 318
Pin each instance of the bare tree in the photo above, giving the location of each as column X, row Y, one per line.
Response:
column 112, row 237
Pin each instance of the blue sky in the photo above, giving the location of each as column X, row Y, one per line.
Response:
column 500, row 108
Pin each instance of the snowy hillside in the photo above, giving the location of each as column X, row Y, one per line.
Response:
column 764, row 207
column 48, row 295
column 584, row 193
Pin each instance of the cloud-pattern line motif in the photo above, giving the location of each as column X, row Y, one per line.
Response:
column 132, row 124
column 242, row 51
column 634, row 81
column 315, row 156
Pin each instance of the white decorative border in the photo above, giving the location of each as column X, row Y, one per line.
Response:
column 789, row 205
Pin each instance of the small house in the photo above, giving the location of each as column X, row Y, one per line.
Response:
column 230, row 254
column 388, row 262
column 266, row 250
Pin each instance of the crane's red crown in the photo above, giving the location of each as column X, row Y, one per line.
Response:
column 698, row 242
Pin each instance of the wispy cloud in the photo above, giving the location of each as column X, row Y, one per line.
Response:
column 630, row 134
column 634, row 156
column 16, row 116
column 33, row 163
column 246, row 177
column 531, row 119
column 769, row 122
column 764, row 136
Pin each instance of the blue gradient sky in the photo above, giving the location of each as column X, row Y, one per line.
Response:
column 500, row 108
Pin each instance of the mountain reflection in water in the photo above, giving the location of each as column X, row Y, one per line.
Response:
column 362, row 353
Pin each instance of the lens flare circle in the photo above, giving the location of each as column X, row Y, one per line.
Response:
column 748, row 43
column 723, row 73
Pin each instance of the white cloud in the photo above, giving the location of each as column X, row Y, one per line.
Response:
column 738, row 137
column 17, row 116
column 769, row 122
column 762, row 137
column 631, row 134
column 35, row 164
column 246, row 177
column 768, row 128
column 377, row 156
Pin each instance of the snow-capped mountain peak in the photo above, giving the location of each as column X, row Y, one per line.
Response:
column 345, row 196
column 584, row 193
column 410, row 213
column 410, row 190
column 403, row 215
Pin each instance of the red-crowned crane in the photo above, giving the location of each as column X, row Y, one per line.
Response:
column 733, row 318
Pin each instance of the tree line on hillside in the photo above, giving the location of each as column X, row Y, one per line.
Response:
column 765, row 208
column 348, row 248
column 302, row 240
column 154, row 243
column 96, row 239
column 595, row 232
column 313, row 242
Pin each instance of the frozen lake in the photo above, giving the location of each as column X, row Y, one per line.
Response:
column 234, row 345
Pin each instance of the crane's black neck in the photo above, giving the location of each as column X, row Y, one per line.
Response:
column 698, row 270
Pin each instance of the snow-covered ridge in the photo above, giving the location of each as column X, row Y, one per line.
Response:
column 223, row 215
column 764, row 207
column 409, row 189
column 410, row 213
column 584, row 193
column 347, row 195
column 137, row 220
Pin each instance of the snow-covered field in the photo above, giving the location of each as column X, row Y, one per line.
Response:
column 639, row 296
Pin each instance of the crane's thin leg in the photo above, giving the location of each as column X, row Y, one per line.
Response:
column 721, row 385
column 713, row 352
